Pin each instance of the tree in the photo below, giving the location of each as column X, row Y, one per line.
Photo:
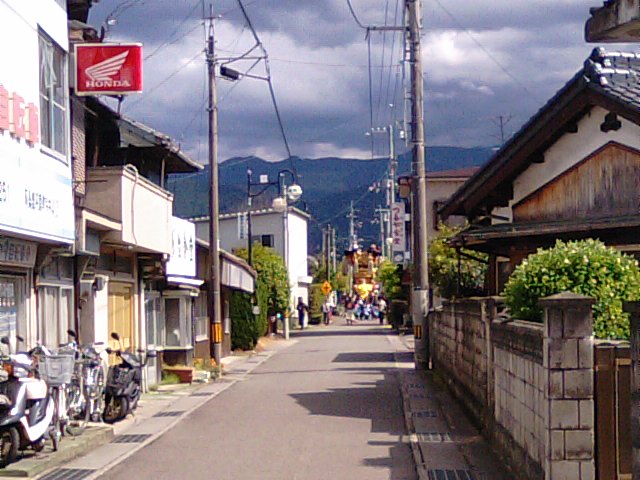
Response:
column 587, row 267
column 454, row 274
column 390, row 276
column 272, row 284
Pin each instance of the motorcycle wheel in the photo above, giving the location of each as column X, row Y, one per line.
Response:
column 115, row 409
column 9, row 440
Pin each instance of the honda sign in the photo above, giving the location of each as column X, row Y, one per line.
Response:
column 108, row 68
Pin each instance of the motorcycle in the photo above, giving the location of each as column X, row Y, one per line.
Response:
column 26, row 409
column 124, row 382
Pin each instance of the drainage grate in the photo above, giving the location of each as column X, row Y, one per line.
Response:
column 415, row 385
column 169, row 413
column 434, row 437
column 201, row 394
column 131, row 438
column 425, row 414
column 450, row 475
column 68, row 474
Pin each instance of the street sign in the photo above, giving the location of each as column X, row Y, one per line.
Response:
column 326, row 288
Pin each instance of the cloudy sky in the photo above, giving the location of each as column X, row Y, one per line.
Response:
column 482, row 60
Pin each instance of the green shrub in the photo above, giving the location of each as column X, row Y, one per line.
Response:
column 272, row 284
column 390, row 276
column 169, row 378
column 244, row 325
column 444, row 274
column 586, row 267
column 316, row 299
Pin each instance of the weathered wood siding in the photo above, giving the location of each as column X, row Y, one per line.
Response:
column 606, row 183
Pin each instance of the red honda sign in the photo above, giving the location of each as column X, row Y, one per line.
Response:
column 108, row 69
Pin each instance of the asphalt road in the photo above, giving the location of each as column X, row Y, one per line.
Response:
column 327, row 407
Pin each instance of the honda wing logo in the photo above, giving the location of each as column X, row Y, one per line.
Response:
column 101, row 74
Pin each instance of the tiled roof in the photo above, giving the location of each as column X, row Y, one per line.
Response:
column 616, row 74
column 614, row 78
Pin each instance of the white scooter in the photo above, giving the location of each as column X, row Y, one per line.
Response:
column 26, row 410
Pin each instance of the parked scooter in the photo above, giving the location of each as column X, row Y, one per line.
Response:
column 124, row 383
column 26, row 410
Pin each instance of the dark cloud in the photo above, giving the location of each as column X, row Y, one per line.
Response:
column 481, row 60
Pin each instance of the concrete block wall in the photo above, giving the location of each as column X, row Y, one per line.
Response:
column 518, row 372
column 531, row 384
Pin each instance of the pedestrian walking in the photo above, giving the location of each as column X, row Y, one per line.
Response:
column 349, row 307
column 327, row 310
column 382, row 309
column 302, row 308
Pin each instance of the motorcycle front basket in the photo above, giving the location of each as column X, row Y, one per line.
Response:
column 56, row 370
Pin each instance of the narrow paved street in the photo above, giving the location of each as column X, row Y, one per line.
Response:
column 328, row 406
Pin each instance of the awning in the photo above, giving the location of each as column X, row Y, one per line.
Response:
column 234, row 276
column 192, row 282
column 500, row 238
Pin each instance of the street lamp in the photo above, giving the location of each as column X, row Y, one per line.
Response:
column 280, row 204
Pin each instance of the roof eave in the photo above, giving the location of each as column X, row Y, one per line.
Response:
column 468, row 198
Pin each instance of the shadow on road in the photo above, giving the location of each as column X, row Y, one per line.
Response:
column 379, row 402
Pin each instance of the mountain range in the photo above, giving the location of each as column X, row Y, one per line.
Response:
column 328, row 185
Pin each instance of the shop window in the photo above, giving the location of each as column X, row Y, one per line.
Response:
column 55, row 314
column 53, row 95
column 178, row 317
column 12, row 301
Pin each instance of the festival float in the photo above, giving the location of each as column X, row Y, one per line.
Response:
column 364, row 267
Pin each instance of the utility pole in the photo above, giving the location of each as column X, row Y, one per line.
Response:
column 215, row 312
column 329, row 248
column 420, row 294
column 334, row 259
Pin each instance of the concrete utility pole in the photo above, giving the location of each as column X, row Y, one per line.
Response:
column 215, row 311
column 334, row 259
column 420, row 294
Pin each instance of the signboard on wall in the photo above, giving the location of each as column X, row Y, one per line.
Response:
column 182, row 261
column 17, row 253
column 108, row 68
column 36, row 199
column 398, row 232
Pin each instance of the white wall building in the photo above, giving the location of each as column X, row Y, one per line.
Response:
column 36, row 201
column 286, row 232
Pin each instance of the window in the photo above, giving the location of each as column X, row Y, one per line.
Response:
column 178, row 316
column 53, row 95
column 201, row 317
column 12, row 302
column 264, row 240
column 155, row 319
column 55, row 309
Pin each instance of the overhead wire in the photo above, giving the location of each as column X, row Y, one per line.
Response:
column 270, row 83
column 355, row 17
column 370, row 92
column 382, row 63
column 168, row 41
column 504, row 69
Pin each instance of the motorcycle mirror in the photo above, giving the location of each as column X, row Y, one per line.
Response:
column 115, row 336
column 4, row 340
column 72, row 334
column 19, row 338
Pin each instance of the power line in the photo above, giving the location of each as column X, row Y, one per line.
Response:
column 384, row 46
column 370, row 91
column 504, row 69
column 175, row 30
column 355, row 17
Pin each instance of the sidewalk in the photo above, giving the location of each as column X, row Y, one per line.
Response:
column 103, row 446
column 444, row 442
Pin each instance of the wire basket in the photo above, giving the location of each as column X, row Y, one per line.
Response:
column 56, row 370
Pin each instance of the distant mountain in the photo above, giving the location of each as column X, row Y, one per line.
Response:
column 329, row 185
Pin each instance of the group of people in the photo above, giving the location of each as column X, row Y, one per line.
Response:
column 369, row 308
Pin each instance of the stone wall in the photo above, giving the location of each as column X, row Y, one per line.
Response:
column 529, row 385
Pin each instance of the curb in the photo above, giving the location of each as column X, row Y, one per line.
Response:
column 264, row 356
column 70, row 449
column 418, row 458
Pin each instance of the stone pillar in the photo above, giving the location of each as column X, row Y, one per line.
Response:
column 568, row 369
column 633, row 308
